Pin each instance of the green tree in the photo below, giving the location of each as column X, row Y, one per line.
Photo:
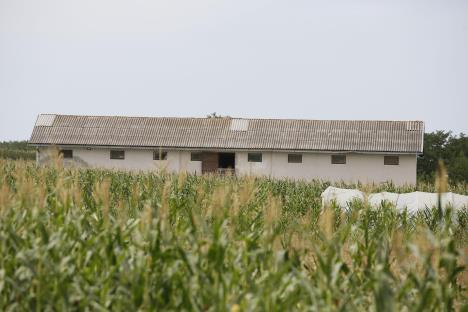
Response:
column 452, row 149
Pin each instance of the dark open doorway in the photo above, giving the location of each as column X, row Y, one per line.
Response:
column 227, row 161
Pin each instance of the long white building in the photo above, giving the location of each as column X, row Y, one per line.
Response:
column 332, row 150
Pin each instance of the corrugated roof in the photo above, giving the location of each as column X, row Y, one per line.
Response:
column 222, row 133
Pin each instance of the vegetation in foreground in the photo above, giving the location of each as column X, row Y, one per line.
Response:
column 100, row 240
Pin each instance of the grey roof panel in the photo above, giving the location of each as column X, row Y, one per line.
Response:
column 223, row 133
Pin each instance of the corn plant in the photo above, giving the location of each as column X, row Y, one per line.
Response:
column 103, row 240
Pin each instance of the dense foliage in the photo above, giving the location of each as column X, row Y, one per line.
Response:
column 17, row 150
column 100, row 240
column 453, row 150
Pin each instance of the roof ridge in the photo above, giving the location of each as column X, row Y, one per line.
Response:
column 231, row 117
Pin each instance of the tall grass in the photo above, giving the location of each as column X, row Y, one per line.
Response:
column 100, row 240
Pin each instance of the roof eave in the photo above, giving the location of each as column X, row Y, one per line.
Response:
column 195, row 148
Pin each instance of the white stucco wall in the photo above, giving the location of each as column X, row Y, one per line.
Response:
column 365, row 168
column 135, row 160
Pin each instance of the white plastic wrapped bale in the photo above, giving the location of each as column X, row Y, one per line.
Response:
column 413, row 202
column 376, row 199
column 460, row 202
column 342, row 197
column 418, row 201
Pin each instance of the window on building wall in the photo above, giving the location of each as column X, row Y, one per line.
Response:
column 114, row 154
column 195, row 156
column 66, row 153
column 254, row 157
column 391, row 160
column 294, row 158
column 159, row 155
column 338, row 159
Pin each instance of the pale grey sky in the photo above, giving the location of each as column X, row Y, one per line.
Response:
column 330, row 59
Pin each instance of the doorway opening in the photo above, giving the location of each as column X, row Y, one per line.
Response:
column 226, row 162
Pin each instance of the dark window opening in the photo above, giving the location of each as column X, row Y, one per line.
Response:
column 294, row 158
column 338, row 159
column 255, row 157
column 227, row 160
column 159, row 155
column 117, row 154
column 67, row 153
column 196, row 156
column 391, row 160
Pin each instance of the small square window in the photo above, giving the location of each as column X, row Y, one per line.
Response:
column 195, row 156
column 159, row 155
column 338, row 159
column 67, row 153
column 117, row 154
column 255, row 157
column 391, row 160
column 294, row 158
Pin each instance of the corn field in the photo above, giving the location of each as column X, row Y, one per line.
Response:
column 101, row 240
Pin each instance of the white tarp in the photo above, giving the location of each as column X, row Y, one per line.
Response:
column 342, row 197
column 413, row 202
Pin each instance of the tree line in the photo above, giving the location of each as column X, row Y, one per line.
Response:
column 451, row 149
column 17, row 150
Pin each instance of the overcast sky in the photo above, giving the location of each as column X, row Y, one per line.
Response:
column 395, row 60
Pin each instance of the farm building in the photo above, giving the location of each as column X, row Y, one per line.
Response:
column 333, row 150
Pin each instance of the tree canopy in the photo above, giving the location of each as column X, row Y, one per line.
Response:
column 451, row 149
